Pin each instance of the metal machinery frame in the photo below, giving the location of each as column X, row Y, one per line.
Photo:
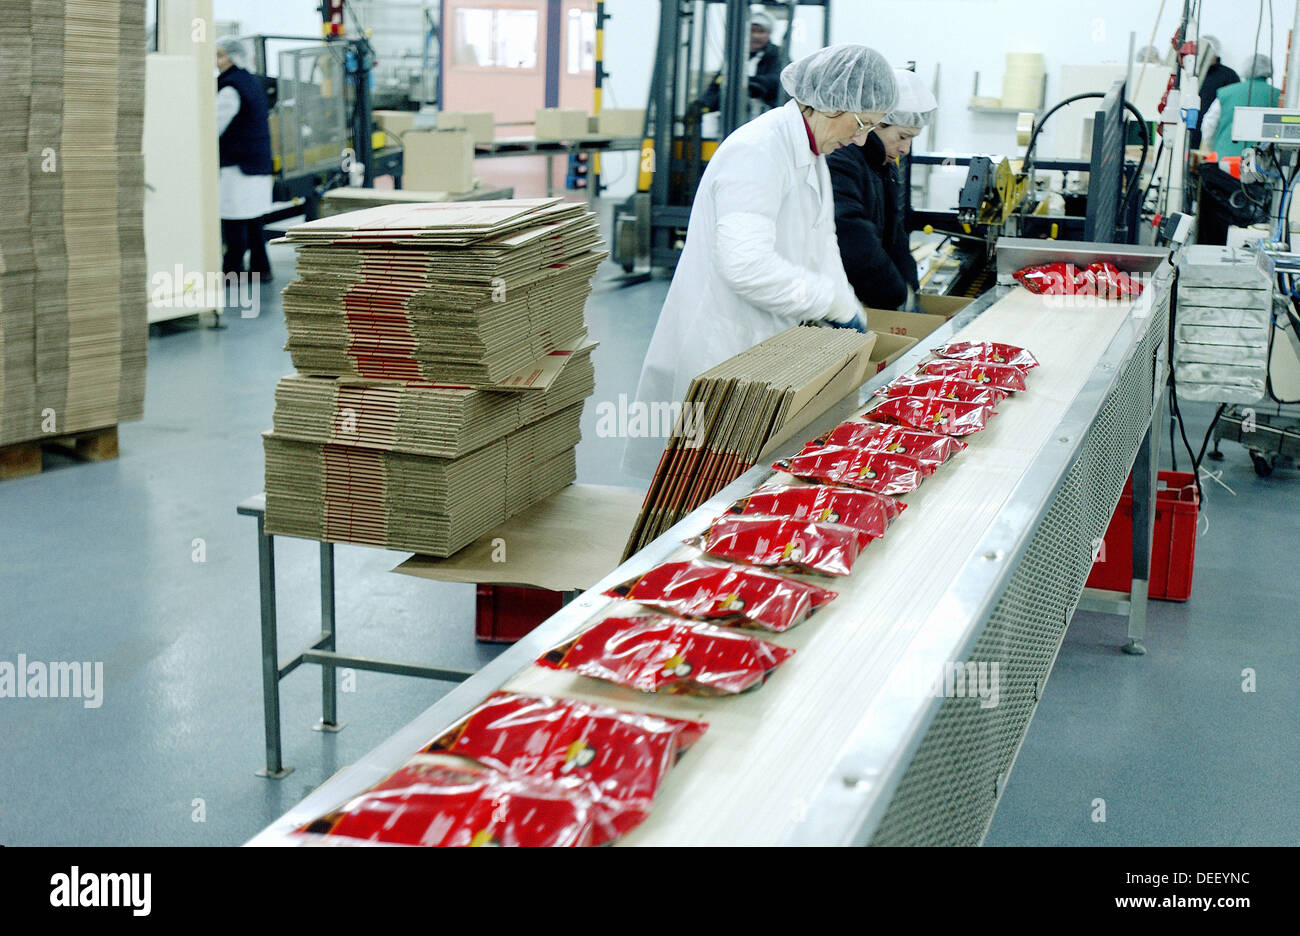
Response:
column 650, row 224
column 999, row 200
column 926, row 770
column 311, row 175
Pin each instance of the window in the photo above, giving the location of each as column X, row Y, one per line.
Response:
column 581, row 42
column 496, row 38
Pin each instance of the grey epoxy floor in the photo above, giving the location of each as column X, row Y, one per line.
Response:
column 97, row 563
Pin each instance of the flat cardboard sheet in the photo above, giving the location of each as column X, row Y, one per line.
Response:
column 563, row 543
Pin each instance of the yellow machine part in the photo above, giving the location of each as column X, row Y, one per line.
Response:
column 1012, row 187
column 647, row 168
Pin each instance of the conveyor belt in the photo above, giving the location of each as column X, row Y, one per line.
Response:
column 985, row 565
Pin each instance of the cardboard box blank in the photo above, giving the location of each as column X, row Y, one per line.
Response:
column 438, row 160
column 935, row 311
column 621, row 122
column 559, row 123
column 480, row 124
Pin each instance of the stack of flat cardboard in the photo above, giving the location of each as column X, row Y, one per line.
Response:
column 70, row 144
column 419, row 419
column 743, row 409
column 470, row 293
column 346, row 493
column 17, row 260
column 443, row 364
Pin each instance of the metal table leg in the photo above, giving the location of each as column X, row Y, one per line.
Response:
column 550, row 168
column 275, row 768
column 1144, row 515
column 329, row 720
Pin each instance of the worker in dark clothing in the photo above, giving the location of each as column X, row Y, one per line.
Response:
column 1216, row 76
column 870, row 202
column 764, row 69
column 244, row 138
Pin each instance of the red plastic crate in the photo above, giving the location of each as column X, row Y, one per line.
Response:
column 1173, row 546
column 505, row 613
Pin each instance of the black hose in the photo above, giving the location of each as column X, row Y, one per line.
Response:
column 1130, row 188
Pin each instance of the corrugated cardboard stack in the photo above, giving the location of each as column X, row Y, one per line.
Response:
column 473, row 293
column 17, row 261
column 743, row 409
column 1225, row 308
column 73, row 118
column 476, row 309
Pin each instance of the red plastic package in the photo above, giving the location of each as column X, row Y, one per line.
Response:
column 615, row 759
column 943, row 388
column 950, row 417
column 1102, row 279
column 437, row 800
column 868, row 513
column 881, row 472
column 797, row 545
column 726, row 594
column 928, row 447
column 657, row 653
column 1003, row 376
column 988, row 352
column 1050, row 279
column 1113, row 283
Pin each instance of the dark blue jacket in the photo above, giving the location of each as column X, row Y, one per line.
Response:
column 869, row 224
column 247, row 141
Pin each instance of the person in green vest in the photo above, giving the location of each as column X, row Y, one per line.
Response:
column 1226, row 201
column 1252, row 91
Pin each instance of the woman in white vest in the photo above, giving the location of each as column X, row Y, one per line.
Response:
column 761, row 253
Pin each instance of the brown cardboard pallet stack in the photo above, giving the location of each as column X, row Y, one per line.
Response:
column 73, row 325
column 443, row 363
column 743, row 409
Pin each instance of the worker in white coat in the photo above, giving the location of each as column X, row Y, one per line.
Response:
column 761, row 254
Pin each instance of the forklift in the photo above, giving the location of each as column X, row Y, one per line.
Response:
column 677, row 143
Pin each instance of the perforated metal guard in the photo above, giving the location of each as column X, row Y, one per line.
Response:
column 950, row 790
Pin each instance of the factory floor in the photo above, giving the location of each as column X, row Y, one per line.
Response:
column 98, row 563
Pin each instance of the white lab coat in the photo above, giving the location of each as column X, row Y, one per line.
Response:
column 760, row 256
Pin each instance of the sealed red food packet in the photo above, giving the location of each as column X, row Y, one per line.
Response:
column 1113, row 283
column 987, row 352
column 928, row 447
column 950, row 417
column 868, row 513
column 439, row 800
column 943, row 388
column 726, row 594
column 616, row 759
column 880, row 472
column 1050, row 279
column 1003, row 376
column 1102, row 279
column 658, row 653
column 796, row 545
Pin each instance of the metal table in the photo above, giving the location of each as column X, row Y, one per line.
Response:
column 321, row 651
column 900, row 769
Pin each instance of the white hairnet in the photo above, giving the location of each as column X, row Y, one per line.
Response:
column 760, row 19
column 233, row 48
column 1209, row 46
column 842, row 78
column 1257, row 66
column 1151, row 54
column 916, row 104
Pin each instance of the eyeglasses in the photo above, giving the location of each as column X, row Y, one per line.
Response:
column 863, row 128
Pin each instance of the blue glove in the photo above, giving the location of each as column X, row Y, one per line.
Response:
column 859, row 323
